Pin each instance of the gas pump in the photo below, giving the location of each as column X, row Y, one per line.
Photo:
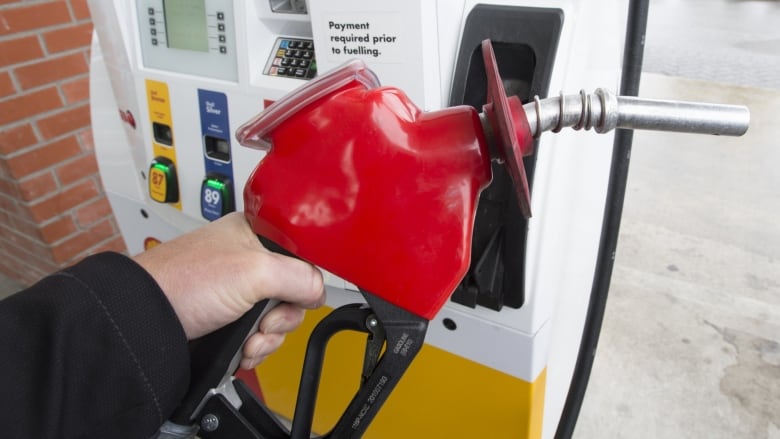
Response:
column 438, row 202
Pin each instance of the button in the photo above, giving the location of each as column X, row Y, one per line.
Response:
column 277, row 62
column 307, row 54
column 152, row 21
column 281, row 71
column 294, row 63
column 283, row 44
column 303, row 63
column 151, row 11
column 221, row 27
column 163, row 186
column 216, row 196
column 154, row 41
column 285, row 61
column 294, row 44
column 280, row 53
column 222, row 49
column 300, row 73
column 291, row 53
column 308, row 45
column 220, row 16
column 312, row 70
column 153, row 31
column 222, row 38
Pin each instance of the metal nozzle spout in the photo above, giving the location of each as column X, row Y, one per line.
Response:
column 604, row 111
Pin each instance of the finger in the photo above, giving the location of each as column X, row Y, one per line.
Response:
column 285, row 317
column 258, row 346
column 251, row 363
column 289, row 280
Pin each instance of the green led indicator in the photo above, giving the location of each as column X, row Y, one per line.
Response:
column 218, row 185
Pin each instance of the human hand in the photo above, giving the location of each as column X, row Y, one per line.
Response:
column 215, row 274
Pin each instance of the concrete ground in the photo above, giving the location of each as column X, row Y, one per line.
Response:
column 691, row 340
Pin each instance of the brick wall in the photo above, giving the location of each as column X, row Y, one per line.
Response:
column 53, row 210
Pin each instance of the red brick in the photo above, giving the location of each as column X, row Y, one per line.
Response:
column 76, row 90
column 39, row 261
column 7, row 87
column 9, row 188
column 75, row 246
column 51, row 70
column 19, row 50
column 29, row 104
column 67, row 38
column 38, row 186
column 15, row 138
column 93, row 212
column 9, row 205
column 64, row 201
column 80, row 9
column 65, row 121
column 11, row 236
column 9, row 267
column 116, row 244
column 58, row 229
column 23, row 226
column 21, row 272
column 4, row 169
column 42, row 157
column 86, row 140
column 39, row 15
column 77, row 169
column 34, row 250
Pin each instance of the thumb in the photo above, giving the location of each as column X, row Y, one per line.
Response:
column 288, row 280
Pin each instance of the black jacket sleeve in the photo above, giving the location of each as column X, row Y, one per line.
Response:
column 93, row 351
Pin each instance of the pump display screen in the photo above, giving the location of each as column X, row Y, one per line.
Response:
column 185, row 24
column 195, row 37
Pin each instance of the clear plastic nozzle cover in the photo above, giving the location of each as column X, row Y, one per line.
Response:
column 254, row 133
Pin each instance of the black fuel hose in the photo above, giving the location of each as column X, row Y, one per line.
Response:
column 618, row 176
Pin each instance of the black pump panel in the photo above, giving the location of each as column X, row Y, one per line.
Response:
column 525, row 41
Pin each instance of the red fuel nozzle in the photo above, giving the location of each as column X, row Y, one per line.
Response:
column 361, row 182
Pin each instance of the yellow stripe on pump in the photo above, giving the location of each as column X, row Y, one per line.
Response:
column 441, row 394
column 163, row 179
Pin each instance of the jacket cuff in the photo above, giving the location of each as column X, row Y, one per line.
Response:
column 145, row 320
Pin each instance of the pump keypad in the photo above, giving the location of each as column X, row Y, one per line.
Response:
column 293, row 58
